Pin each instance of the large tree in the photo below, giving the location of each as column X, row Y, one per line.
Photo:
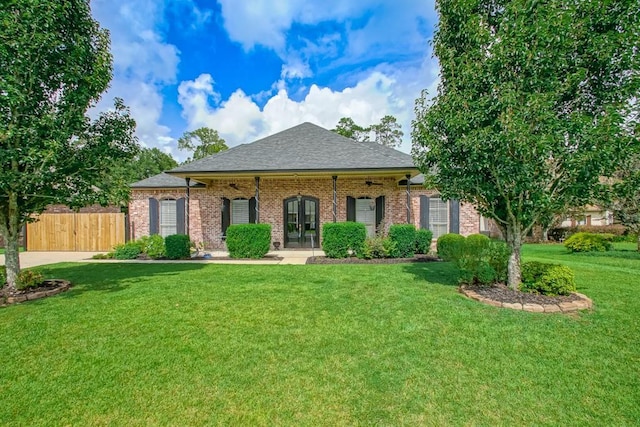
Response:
column 348, row 128
column 625, row 197
column 54, row 65
column 531, row 106
column 388, row 132
column 202, row 142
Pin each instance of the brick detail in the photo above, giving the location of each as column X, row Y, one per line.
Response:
column 205, row 205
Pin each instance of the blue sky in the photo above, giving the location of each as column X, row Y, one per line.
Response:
column 250, row 68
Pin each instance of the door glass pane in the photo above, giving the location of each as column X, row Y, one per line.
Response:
column 292, row 220
column 366, row 214
column 309, row 218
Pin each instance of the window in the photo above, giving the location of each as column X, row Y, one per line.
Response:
column 168, row 218
column 438, row 217
column 366, row 214
column 240, row 211
column 485, row 226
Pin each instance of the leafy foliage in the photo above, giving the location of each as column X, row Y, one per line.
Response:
column 378, row 247
column 202, row 142
column 423, row 241
column 626, row 196
column 404, row 237
column 450, row 246
column 248, row 240
column 129, row 250
column 28, row 279
column 3, row 275
column 341, row 237
column 547, row 279
column 348, row 128
column 588, row 242
column 54, row 65
column 177, row 246
column 153, row 246
column 480, row 260
column 525, row 122
column 388, row 132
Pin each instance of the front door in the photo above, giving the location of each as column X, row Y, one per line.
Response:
column 301, row 222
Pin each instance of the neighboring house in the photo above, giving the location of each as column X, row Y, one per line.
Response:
column 590, row 215
column 296, row 180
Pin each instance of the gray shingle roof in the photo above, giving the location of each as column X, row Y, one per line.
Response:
column 163, row 180
column 306, row 147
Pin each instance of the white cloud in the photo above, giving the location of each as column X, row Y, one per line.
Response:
column 240, row 120
column 143, row 63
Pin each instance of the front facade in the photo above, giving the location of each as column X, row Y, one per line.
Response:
column 296, row 181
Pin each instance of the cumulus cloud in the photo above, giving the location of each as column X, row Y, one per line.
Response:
column 239, row 119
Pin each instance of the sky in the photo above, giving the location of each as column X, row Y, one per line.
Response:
column 251, row 68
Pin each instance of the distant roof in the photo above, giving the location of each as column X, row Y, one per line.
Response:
column 164, row 180
column 303, row 148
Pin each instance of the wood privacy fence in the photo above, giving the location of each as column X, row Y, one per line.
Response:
column 76, row 232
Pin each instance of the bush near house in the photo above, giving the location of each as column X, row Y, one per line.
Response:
column 153, row 246
column 338, row 238
column 248, row 240
column 589, row 242
column 177, row 246
column 377, row 247
column 404, row 237
column 129, row 250
column 450, row 246
column 547, row 279
column 423, row 241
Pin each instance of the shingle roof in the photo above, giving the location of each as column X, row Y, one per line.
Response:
column 163, row 180
column 306, row 147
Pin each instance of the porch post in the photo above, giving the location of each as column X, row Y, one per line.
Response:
column 335, row 198
column 408, row 199
column 186, row 207
column 257, row 199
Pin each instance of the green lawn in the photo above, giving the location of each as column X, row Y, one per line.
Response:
column 194, row 344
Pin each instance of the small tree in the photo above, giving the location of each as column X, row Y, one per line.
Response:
column 54, row 64
column 202, row 142
column 532, row 107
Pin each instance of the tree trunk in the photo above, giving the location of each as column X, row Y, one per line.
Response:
column 10, row 228
column 638, row 242
column 514, row 241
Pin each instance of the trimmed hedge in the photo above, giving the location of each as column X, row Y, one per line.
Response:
column 248, row 240
column 450, row 246
column 404, row 237
column 589, row 242
column 338, row 238
column 423, row 241
column 177, row 246
column 547, row 279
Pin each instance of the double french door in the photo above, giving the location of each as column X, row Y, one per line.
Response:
column 301, row 226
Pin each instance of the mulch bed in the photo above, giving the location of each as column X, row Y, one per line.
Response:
column 503, row 294
column 354, row 260
column 48, row 287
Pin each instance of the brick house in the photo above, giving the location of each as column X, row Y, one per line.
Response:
column 296, row 180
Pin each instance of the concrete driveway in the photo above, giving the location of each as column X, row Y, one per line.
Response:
column 34, row 258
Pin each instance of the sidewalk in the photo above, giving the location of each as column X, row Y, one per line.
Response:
column 33, row 259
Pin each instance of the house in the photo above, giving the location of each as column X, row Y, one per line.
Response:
column 590, row 215
column 296, row 180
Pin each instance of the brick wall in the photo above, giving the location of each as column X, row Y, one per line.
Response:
column 205, row 205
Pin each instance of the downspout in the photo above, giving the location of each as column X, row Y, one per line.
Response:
column 257, row 200
column 335, row 198
column 408, row 199
column 186, row 207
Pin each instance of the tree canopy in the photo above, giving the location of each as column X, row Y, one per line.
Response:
column 532, row 107
column 54, row 65
column 388, row 132
column 202, row 142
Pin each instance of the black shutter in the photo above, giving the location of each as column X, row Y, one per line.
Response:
column 379, row 210
column 252, row 210
column 424, row 212
column 180, row 223
column 454, row 216
column 154, row 218
column 226, row 215
column 351, row 209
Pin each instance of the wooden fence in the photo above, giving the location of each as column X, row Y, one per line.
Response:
column 76, row 232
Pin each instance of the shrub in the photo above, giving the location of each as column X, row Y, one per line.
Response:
column 129, row 250
column 423, row 241
column 377, row 247
column 248, row 240
column 177, row 246
column 338, row 238
column 154, row 246
column 498, row 258
column 28, row 279
column 3, row 275
column 485, row 274
column 547, row 279
column 108, row 255
column 450, row 246
column 587, row 242
column 404, row 237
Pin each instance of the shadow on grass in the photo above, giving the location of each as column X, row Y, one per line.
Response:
column 443, row 273
column 110, row 277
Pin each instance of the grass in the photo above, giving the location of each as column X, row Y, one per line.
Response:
column 187, row 344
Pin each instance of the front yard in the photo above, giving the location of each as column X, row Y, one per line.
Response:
column 194, row 344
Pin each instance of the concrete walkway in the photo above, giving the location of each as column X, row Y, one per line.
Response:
column 33, row 259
